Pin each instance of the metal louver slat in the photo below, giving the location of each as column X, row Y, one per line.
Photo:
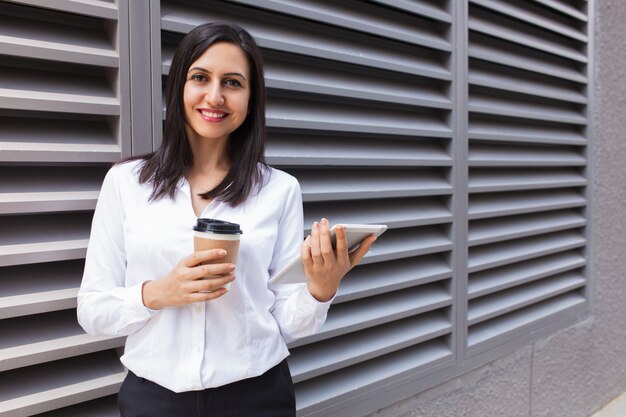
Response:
column 518, row 107
column 488, row 307
column 395, row 213
column 83, row 94
column 527, row 131
column 39, row 288
column 327, row 390
column 492, row 280
column 53, row 238
column 500, row 52
column 491, row 256
column 483, row 180
column 505, row 155
column 506, row 204
column 506, row 228
column 517, row 33
column 564, row 8
column 344, row 150
column 35, row 190
column 56, row 336
column 316, row 114
column 45, row 387
column 364, row 313
column 363, row 17
column 320, row 358
column 516, row 323
column 344, row 80
column 43, row 252
column 322, row 185
column 47, row 38
column 40, row 137
column 382, row 277
column 100, row 407
column 96, row 8
column 491, row 76
column 403, row 243
column 528, row 13
column 435, row 11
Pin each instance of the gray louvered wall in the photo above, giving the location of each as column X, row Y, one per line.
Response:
column 62, row 123
column 485, row 198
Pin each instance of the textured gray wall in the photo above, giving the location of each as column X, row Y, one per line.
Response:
column 578, row 370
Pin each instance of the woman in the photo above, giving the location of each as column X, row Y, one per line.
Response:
column 194, row 348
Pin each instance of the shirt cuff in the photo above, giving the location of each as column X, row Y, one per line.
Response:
column 312, row 304
column 133, row 300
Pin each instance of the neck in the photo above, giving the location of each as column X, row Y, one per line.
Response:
column 210, row 156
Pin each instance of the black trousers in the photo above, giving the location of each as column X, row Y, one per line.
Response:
column 268, row 395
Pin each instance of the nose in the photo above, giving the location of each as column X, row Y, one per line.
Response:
column 214, row 96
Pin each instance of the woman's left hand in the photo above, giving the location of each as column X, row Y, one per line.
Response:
column 325, row 267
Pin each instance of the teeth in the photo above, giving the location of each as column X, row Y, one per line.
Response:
column 211, row 114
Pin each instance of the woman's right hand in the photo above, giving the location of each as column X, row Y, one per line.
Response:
column 189, row 281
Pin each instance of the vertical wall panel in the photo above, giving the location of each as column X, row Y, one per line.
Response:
column 527, row 111
column 359, row 110
column 62, row 112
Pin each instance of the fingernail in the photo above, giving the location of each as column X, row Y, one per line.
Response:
column 324, row 220
column 222, row 252
column 315, row 225
column 232, row 268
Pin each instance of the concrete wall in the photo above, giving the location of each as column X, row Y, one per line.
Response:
column 576, row 371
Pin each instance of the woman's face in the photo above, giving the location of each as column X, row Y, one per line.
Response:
column 217, row 92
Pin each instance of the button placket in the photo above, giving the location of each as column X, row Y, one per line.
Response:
column 198, row 340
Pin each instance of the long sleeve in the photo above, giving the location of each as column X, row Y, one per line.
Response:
column 105, row 305
column 296, row 311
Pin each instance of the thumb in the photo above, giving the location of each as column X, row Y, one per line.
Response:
column 357, row 255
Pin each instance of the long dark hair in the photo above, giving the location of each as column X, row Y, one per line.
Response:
column 171, row 161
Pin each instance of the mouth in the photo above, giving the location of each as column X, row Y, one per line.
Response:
column 212, row 115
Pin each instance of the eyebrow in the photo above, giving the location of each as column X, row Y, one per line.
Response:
column 208, row 72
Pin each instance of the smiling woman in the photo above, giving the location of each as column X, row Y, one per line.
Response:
column 217, row 68
column 194, row 347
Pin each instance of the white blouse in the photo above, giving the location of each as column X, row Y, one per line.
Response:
column 201, row 345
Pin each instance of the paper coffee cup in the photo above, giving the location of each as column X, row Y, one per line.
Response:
column 217, row 234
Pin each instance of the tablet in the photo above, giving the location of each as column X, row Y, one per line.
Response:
column 294, row 271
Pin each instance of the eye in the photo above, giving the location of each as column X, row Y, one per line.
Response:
column 232, row 83
column 198, row 77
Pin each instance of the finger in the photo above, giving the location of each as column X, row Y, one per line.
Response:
column 357, row 255
column 197, row 258
column 210, row 270
column 198, row 297
column 326, row 246
column 316, row 253
column 342, row 243
column 211, row 284
column 305, row 251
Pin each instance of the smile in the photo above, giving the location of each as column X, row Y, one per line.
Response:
column 213, row 115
